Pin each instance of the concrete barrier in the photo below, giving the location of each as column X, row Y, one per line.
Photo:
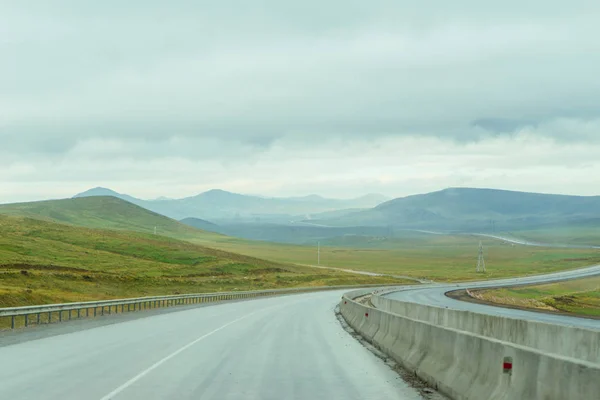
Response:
column 568, row 341
column 469, row 366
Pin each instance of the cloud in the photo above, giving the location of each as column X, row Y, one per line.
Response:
column 86, row 88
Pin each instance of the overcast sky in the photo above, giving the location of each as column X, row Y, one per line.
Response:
column 279, row 97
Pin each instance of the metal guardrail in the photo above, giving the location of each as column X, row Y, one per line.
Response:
column 50, row 313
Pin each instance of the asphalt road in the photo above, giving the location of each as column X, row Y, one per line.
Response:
column 289, row 347
column 524, row 242
column 435, row 295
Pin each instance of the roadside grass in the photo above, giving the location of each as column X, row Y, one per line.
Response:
column 580, row 296
column 46, row 262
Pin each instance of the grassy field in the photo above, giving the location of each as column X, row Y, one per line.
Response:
column 435, row 257
column 580, row 296
column 45, row 262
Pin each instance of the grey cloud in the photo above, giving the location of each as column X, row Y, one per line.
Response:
column 228, row 82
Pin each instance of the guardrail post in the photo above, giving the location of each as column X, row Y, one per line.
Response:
column 95, row 310
column 38, row 318
column 78, row 313
column 12, row 322
column 60, row 316
column 49, row 317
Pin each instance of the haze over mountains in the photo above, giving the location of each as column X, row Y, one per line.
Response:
column 449, row 210
column 465, row 209
column 222, row 206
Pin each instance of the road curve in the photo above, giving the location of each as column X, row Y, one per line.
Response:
column 435, row 295
column 288, row 347
column 524, row 242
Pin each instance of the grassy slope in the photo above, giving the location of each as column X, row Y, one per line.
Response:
column 578, row 296
column 103, row 213
column 45, row 262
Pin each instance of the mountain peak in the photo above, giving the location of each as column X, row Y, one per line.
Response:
column 101, row 191
column 97, row 191
column 216, row 192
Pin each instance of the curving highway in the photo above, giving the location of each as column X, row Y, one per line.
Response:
column 290, row 347
column 268, row 348
column 435, row 295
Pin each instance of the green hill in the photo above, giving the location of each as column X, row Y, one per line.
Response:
column 42, row 261
column 104, row 212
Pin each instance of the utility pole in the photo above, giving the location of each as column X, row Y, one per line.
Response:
column 155, row 230
column 480, row 260
column 318, row 253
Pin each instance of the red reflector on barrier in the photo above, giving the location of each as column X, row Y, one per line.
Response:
column 366, row 314
column 345, row 302
column 507, row 365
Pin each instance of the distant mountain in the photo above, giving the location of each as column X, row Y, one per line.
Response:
column 219, row 205
column 200, row 224
column 474, row 209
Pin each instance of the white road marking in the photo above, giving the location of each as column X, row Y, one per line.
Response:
column 167, row 358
